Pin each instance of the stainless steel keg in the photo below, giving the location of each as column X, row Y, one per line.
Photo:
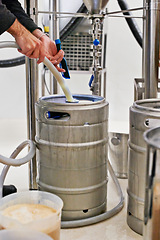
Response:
column 72, row 152
column 118, row 153
column 144, row 114
column 151, row 230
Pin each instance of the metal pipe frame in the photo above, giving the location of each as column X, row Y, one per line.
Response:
column 87, row 15
column 32, row 96
column 32, row 81
column 53, row 34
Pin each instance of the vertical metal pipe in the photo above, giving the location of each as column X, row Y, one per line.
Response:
column 55, row 20
column 104, row 86
column 151, row 48
column 43, row 81
column 54, row 34
column 51, row 37
column 32, row 96
column 143, row 48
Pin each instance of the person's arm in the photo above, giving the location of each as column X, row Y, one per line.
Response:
column 6, row 18
column 15, row 8
column 33, row 43
column 33, row 47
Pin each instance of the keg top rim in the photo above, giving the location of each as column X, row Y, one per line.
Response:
column 139, row 104
column 61, row 99
column 152, row 137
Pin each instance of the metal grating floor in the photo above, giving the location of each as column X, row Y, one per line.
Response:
column 77, row 50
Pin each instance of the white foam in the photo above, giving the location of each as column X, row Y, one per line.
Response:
column 25, row 213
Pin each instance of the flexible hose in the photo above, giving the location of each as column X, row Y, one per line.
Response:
column 50, row 66
column 16, row 162
column 13, row 162
column 72, row 24
column 12, row 62
column 59, row 78
column 103, row 216
column 131, row 22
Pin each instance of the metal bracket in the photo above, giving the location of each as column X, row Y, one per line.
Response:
column 139, row 88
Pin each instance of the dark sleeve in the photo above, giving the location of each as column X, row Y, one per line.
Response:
column 6, row 18
column 15, row 8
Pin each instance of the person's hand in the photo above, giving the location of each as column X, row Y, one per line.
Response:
column 50, row 49
column 28, row 43
column 32, row 47
column 51, row 52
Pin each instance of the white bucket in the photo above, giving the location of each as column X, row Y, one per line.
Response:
column 49, row 225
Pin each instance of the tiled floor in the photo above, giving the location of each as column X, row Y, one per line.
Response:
column 116, row 228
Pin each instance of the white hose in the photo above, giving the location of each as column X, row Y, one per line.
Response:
column 103, row 216
column 8, row 44
column 50, row 66
column 59, row 79
column 16, row 162
column 29, row 156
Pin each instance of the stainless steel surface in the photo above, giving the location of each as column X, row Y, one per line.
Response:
column 95, row 6
column 32, row 96
column 151, row 229
column 87, row 15
column 54, row 34
column 139, row 88
column 72, row 153
column 121, row 16
column 97, row 33
column 144, row 114
column 151, row 47
column 125, row 11
column 56, row 20
column 69, row 14
column 118, row 153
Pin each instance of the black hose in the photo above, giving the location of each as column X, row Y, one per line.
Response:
column 131, row 22
column 73, row 23
column 12, row 62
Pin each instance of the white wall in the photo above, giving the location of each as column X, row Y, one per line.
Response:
column 12, row 84
column 123, row 65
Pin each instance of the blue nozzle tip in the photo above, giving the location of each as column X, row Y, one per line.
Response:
column 57, row 41
column 96, row 42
